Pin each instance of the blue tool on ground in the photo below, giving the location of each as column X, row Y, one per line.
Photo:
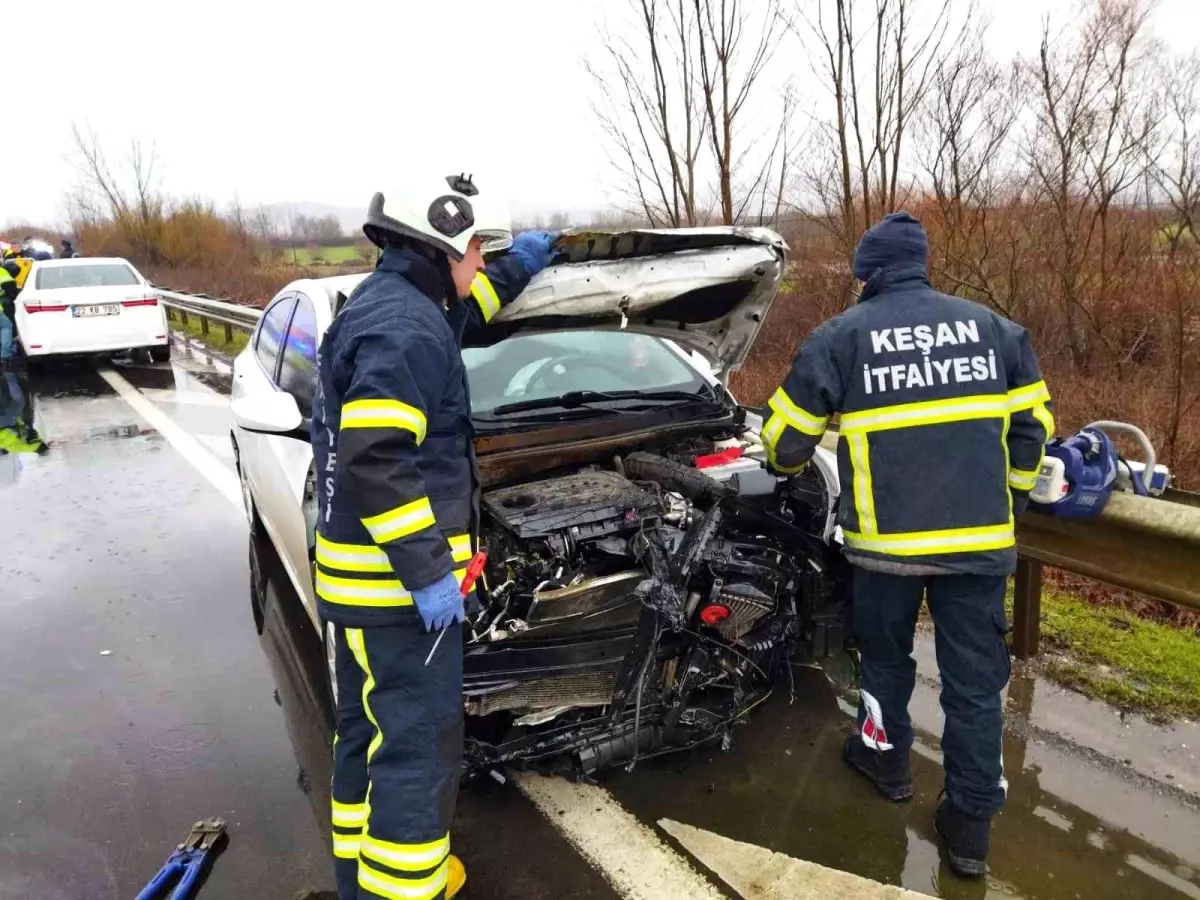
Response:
column 187, row 862
column 1080, row 473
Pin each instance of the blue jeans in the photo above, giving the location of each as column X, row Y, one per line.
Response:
column 6, row 336
column 969, row 622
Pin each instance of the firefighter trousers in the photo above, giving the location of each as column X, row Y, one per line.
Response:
column 397, row 758
column 973, row 662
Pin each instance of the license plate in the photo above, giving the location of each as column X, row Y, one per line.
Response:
column 85, row 312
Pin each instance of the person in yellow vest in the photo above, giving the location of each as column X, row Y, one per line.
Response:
column 17, row 434
column 8, row 318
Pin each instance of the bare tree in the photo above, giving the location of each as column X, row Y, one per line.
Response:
column 728, row 75
column 1175, row 170
column 877, row 68
column 677, row 82
column 130, row 196
column 963, row 145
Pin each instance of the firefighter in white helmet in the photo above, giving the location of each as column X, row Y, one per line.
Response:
column 398, row 507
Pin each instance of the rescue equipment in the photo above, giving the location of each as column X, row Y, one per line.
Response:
column 1079, row 473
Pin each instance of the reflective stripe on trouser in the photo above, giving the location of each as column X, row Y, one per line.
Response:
column 397, row 759
column 968, row 615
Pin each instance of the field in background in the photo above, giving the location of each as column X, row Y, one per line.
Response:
column 311, row 255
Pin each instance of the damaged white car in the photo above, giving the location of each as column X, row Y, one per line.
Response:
column 648, row 581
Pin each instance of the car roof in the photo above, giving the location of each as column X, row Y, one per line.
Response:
column 82, row 261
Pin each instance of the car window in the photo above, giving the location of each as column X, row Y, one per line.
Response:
column 97, row 275
column 298, row 369
column 271, row 333
column 533, row 367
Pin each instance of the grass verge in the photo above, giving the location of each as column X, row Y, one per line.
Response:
column 316, row 256
column 1111, row 654
column 215, row 339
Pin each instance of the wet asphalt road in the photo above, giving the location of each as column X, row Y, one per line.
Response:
column 139, row 698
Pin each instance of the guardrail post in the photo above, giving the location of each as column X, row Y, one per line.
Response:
column 228, row 333
column 1027, row 608
column 183, row 317
column 204, row 325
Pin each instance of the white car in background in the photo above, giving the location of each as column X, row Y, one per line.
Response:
column 95, row 305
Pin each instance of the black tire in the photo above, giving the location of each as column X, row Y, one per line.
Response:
column 161, row 354
column 257, row 584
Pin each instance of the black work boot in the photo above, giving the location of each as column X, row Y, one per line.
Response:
column 887, row 771
column 965, row 838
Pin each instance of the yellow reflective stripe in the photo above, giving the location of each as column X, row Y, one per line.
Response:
column 460, row 547
column 373, row 592
column 401, row 521
column 929, row 412
column 485, row 296
column 1042, row 413
column 790, row 470
column 349, row 815
column 1021, row 479
column 346, row 846
column 351, row 557
column 406, row 857
column 371, row 558
column 800, row 419
column 383, row 414
column 361, row 591
column 393, row 888
column 771, row 433
column 922, row 543
column 863, row 489
column 354, row 640
column 1028, row 396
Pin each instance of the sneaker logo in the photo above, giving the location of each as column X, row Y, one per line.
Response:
column 874, row 735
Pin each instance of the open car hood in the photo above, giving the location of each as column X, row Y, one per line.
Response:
column 706, row 289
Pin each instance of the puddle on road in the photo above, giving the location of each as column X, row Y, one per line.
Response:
column 1069, row 829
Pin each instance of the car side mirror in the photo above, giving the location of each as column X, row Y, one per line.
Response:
column 274, row 413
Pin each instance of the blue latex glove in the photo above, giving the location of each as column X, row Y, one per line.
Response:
column 533, row 250
column 440, row 604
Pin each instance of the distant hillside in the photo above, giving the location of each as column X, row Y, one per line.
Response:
column 350, row 217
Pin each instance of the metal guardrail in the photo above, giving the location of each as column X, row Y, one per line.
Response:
column 208, row 311
column 1145, row 544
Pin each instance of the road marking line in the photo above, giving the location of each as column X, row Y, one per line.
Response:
column 190, row 398
column 219, row 447
column 760, row 874
column 189, row 448
column 638, row 864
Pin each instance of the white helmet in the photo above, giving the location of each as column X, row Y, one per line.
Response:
column 444, row 213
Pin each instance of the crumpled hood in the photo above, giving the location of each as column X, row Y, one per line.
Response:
column 706, row 289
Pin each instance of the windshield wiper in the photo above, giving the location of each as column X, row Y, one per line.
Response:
column 575, row 399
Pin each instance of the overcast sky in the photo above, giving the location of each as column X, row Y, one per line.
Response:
column 275, row 101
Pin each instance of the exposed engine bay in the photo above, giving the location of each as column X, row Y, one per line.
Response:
column 643, row 605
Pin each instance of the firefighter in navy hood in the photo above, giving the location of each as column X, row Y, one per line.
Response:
column 398, row 495
column 944, row 417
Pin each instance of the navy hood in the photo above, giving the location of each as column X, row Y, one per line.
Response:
column 895, row 240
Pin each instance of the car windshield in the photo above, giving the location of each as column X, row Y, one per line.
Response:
column 542, row 366
column 96, row 275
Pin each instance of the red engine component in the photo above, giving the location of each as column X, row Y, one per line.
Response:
column 714, row 614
